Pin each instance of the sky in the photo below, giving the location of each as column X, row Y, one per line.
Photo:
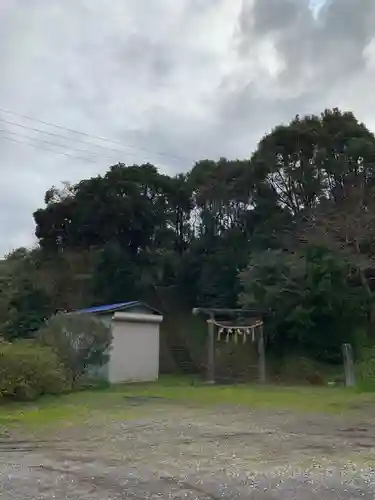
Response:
column 164, row 81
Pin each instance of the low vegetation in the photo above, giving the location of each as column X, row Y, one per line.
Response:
column 80, row 342
column 125, row 401
column 56, row 361
column 365, row 369
column 28, row 370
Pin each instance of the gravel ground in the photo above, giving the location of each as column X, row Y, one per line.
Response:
column 172, row 452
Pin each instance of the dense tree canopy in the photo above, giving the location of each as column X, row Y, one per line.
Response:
column 289, row 230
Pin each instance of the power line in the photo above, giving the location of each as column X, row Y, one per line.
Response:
column 47, row 149
column 61, row 136
column 104, row 139
column 79, row 150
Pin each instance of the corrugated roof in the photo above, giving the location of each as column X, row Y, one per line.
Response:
column 109, row 307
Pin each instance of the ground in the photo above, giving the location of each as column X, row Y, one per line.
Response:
column 176, row 441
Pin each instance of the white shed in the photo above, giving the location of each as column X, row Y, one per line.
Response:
column 134, row 355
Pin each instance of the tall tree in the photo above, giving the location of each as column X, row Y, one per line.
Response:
column 25, row 304
column 310, row 306
column 313, row 158
column 126, row 205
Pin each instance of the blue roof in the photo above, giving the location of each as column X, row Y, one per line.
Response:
column 108, row 308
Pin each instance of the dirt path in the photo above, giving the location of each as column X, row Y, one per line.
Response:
column 173, row 452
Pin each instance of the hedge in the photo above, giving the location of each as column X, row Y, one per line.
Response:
column 29, row 370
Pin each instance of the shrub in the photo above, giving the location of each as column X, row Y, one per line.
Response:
column 300, row 368
column 236, row 362
column 80, row 341
column 294, row 369
column 365, row 369
column 28, row 370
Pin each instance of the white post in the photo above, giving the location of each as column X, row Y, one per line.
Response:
column 347, row 352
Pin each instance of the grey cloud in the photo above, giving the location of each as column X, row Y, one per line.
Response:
column 323, row 64
column 271, row 16
column 189, row 78
column 141, row 54
column 330, row 45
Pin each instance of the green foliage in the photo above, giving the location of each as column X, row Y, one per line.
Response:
column 28, row 370
column 236, row 362
column 115, row 276
column 365, row 369
column 309, row 303
column 79, row 340
column 126, row 205
column 24, row 303
column 298, row 369
column 30, row 306
column 314, row 157
column 209, row 274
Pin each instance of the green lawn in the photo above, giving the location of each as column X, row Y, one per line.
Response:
column 77, row 407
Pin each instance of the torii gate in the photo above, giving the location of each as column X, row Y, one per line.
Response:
column 253, row 328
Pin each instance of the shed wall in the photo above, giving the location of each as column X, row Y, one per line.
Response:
column 134, row 353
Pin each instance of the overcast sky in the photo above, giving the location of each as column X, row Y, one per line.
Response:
column 169, row 81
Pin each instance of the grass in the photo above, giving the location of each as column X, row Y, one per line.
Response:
column 75, row 408
column 300, row 398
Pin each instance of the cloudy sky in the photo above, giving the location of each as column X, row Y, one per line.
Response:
column 167, row 81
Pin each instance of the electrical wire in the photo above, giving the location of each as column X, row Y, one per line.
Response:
column 79, row 150
column 100, row 138
column 60, row 136
column 90, row 160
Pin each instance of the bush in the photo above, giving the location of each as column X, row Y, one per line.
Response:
column 28, row 370
column 80, row 341
column 294, row 369
column 365, row 369
column 302, row 369
column 236, row 362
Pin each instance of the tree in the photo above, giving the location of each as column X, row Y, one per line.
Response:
column 80, row 341
column 29, row 306
column 115, row 276
column 347, row 227
column 321, row 170
column 24, row 303
column 126, row 205
column 309, row 302
column 312, row 158
column 224, row 192
column 179, row 206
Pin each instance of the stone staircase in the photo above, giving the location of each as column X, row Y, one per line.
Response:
column 163, row 298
